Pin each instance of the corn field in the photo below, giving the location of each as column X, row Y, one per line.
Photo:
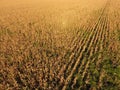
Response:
column 60, row 45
